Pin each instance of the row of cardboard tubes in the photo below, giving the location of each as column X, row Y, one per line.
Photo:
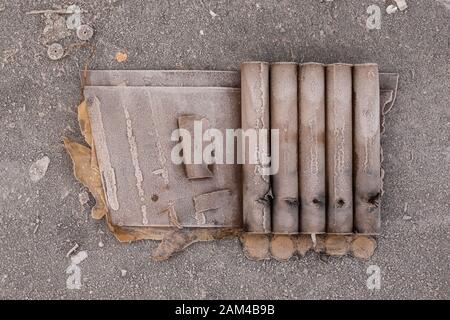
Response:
column 329, row 176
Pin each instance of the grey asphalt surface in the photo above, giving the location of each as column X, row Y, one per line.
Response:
column 37, row 107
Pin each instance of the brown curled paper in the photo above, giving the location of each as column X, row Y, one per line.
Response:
column 87, row 175
column 177, row 240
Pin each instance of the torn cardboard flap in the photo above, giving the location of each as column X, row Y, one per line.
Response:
column 128, row 120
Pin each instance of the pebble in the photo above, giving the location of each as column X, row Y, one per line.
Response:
column 39, row 168
column 391, row 9
column 83, row 198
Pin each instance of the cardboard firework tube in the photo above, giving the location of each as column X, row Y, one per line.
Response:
column 366, row 148
column 339, row 148
column 283, row 116
column 312, row 148
column 255, row 116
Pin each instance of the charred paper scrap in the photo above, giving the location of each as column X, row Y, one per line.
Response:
column 148, row 179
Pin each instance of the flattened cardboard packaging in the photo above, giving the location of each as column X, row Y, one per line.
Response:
column 324, row 196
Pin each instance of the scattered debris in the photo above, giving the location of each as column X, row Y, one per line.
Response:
column 101, row 244
column 121, row 56
column 446, row 3
column 55, row 51
column 83, row 197
column 39, row 168
column 59, row 24
column 73, row 9
column 79, row 257
column 85, row 32
column 123, row 272
column 73, row 282
column 64, row 194
column 8, row 57
column 212, row 13
column 72, row 250
column 37, row 223
column 401, row 4
column 391, row 9
column 56, row 11
column 74, row 20
column 407, row 218
column 69, row 10
column 55, row 28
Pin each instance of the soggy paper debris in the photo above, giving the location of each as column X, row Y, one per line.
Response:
column 83, row 197
column 401, row 4
column 391, row 9
column 74, row 20
column 212, row 13
column 39, row 168
column 72, row 250
column 79, row 257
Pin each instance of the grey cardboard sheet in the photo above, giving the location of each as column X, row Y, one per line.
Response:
column 132, row 128
column 174, row 78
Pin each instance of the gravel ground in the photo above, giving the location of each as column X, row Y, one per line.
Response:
column 37, row 103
